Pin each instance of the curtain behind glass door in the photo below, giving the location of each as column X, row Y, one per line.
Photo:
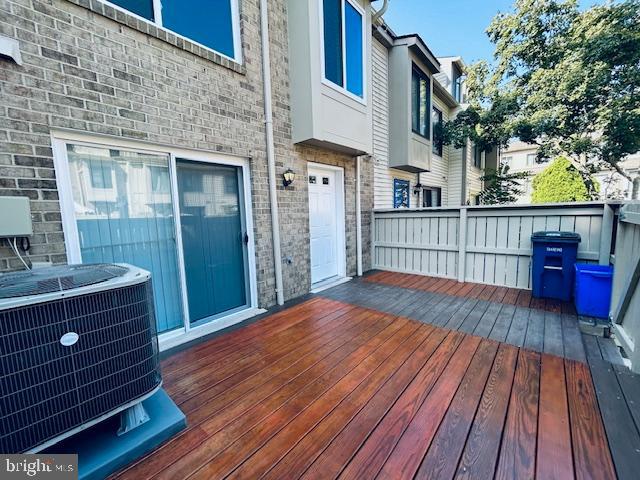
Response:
column 123, row 209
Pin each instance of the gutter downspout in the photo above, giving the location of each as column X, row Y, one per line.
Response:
column 271, row 162
column 358, row 220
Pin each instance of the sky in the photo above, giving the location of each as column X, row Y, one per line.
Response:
column 449, row 27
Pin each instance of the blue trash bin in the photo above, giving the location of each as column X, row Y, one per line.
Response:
column 593, row 289
column 552, row 269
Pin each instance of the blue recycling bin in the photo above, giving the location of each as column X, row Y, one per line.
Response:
column 593, row 289
column 552, row 269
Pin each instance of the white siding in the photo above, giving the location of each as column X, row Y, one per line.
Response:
column 382, row 175
column 439, row 174
column 474, row 184
column 455, row 177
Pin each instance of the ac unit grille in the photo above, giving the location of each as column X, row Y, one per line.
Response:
column 47, row 389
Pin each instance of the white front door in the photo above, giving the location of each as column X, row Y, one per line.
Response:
column 324, row 223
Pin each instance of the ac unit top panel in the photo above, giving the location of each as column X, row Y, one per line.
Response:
column 18, row 289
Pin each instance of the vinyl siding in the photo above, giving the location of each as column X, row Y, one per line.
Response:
column 382, row 175
column 439, row 174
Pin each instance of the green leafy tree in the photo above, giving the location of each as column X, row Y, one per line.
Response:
column 502, row 186
column 564, row 79
column 561, row 182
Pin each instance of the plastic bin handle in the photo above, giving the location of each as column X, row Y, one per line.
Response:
column 551, row 267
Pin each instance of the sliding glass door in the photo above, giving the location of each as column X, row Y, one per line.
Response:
column 213, row 238
column 183, row 220
column 123, row 211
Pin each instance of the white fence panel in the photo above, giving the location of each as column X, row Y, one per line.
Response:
column 627, row 261
column 412, row 242
column 497, row 239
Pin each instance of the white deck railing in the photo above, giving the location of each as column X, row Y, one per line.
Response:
column 486, row 244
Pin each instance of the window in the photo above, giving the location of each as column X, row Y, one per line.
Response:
column 432, row 197
column 420, row 103
column 436, row 120
column 343, row 45
column 400, row 193
column 457, row 84
column 212, row 23
column 477, row 156
column 531, row 159
column 507, row 161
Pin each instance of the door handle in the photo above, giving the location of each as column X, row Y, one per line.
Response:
column 246, row 238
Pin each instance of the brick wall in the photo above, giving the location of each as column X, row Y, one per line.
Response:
column 90, row 68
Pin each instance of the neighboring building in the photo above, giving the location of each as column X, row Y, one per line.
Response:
column 140, row 137
column 521, row 157
column 413, row 92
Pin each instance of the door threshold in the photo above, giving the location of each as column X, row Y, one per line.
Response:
column 175, row 338
column 328, row 283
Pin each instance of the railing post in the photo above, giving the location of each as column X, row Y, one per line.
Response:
column 606, row 235
column 462, row 244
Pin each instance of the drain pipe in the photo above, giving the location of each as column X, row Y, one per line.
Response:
column 271, row 156
column 358, row 220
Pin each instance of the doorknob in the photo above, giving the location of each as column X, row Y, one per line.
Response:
column 246, row 238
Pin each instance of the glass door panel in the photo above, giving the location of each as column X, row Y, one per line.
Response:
column 124, row 214
column 213, row 239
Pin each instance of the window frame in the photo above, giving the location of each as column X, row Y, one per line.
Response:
column 157, row 22
column 476, row 150
column 437, row 190
column 325, row 80
column 421, row 76
column 437, row 148
column 508, row 161
column 533, row 161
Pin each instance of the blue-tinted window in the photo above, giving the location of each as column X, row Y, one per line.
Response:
column 208, row 22
column 332, row 16
column 101, row 175
column 353, row 35
column 143, row 8
column 400, row 193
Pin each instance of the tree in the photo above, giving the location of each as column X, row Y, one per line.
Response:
column 560, row 182
column 563, row 79
column 502, row 186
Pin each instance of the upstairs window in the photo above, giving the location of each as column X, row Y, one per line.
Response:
column 343, row 23
column 420, row 103
column 457, row 84
column 507, row 161
column 212, row 23
column 477, row 156
column 531, row 159
column 436, row 120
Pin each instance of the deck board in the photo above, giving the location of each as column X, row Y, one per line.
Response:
column 331, row 389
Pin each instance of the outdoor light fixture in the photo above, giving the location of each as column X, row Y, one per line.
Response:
column 288, row 177
column 417, row 188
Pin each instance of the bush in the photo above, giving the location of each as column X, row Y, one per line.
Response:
column 560, row 182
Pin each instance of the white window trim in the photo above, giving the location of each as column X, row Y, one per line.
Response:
column 325, row 80
column 157, row 22
column 172, row 338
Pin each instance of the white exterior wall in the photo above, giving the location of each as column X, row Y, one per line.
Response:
column 474, row 184
column 455, row 182
column 382, row 175
column 438, row 176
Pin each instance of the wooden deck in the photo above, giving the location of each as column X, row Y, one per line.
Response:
column 328, row 389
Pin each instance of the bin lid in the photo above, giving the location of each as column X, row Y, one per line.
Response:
column 556, row 236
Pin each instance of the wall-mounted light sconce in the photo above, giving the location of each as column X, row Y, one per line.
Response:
column 288, row 177
column 417, row 188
